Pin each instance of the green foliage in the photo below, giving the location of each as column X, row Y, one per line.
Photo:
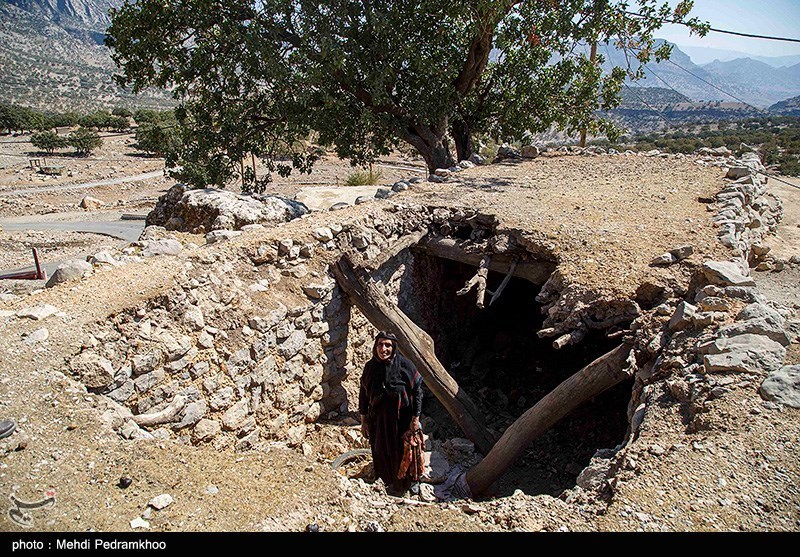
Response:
column 255, row 77
column 150, row 116
column 48, row 141
column 777, row 139
column 770, row 153
column 85, row 141
column 62, row 120
column 119, row 123
column 102, row 119
column 159, row 138
column 789, row 165
column 364, row 178
column 122, row 111
column 21, row 118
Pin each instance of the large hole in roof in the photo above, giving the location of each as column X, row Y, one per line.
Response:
column 497, row 358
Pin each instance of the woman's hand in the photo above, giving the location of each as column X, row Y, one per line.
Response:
column 364, row 427
column 414, row 426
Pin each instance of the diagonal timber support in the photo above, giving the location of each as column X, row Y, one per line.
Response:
column 596, row 377
column 417, row 347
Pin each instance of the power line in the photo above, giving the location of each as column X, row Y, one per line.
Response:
column 778, row 179
column 641, row 98
column 725, row 31
column 715, row 87
column 707, row 83
column 661, row 79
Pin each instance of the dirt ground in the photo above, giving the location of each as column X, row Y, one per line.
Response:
column 605, row 217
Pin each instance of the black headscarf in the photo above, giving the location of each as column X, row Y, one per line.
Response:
column 394, row 377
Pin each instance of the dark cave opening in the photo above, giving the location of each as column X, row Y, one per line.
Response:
column 496, row 356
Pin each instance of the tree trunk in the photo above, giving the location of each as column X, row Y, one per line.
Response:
column 418, row 347
column 463, row 140
column 432, row 144
column 601, row 374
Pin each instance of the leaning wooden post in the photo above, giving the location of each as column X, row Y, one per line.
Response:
column 418, row 347
column 601, row 374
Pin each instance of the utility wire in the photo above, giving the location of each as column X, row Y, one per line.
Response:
column 707, row 83
column 778, row 179
column 727, row 32
column 641, row 98
column 715, row 87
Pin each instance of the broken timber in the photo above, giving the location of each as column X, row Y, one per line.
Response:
column 480, row 280
column 598, row 376
column 406, row 242
column 536, row 272
column 417, row 347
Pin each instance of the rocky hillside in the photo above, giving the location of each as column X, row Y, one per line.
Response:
column 789, row 107
column 55, row 60
column 79, row 15
column 646, row 109
column 748, row 80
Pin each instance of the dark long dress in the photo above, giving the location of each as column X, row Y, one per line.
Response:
column 390, row 395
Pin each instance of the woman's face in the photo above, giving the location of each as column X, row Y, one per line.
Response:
column 384, row 348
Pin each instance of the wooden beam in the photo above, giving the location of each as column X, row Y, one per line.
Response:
column 536, row 272
column 601, row 374
column 417, row 346
column 405, row 242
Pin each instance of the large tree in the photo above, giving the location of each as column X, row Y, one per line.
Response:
column 259, row 76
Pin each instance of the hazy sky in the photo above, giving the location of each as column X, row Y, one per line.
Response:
column 779, row 18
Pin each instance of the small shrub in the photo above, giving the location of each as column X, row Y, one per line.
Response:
column 363, row 178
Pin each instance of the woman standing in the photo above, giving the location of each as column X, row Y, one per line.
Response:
column 390, row 403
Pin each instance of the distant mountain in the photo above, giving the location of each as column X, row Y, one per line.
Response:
column 789, row 107
column 80, row 15
column 772, row 84
column 51, row 59
column 702, row 55
column 672, row 74
column 750, row 81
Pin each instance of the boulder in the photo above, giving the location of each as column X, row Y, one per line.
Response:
column 222, row 235
column 322, row 234
column 206, row 429
column 726, row 273
column 162, row 247
column 38, row 312
column 104, row 258
column 530, row 152
column 783, row 386
column 746, row 353
column 89, row 203
column 74, row 269
column 92, row 370
column 236, row 415
column 682, row 317
column 192, row 210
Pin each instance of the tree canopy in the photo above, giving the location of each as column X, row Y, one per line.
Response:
column 260, row 76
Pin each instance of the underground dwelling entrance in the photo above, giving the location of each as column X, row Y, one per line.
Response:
column 496, row 356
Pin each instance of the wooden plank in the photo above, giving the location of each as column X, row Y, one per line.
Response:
column 405, row 242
